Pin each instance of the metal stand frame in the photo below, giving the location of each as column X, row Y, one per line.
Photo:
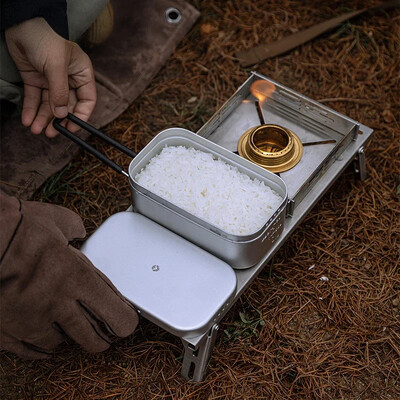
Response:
column 359, row 164
column 198, row 350
column 195, row 360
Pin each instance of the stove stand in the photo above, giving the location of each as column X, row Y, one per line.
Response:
column 198, row 349
column 195, row 289
column 195, row 360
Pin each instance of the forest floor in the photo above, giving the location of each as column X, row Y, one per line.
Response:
column 291, row 335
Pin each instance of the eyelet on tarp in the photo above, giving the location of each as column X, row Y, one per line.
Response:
column 173, row 15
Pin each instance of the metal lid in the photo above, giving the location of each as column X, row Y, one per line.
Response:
column 171, row 281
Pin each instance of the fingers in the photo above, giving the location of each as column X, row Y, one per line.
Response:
column 50, row 130
column 56, row 72
column 83, row 80
column 43, row 116
column 23, row 350
column 47, row 342
column 120, row 319
column 86, row 95
column 66, row 85
column 32, row 97
column 84, row 330
column 109, row 306
column 105, row 302
column 72, row 69
column 68, row 222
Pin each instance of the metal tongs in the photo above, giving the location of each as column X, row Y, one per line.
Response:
column 80, row 142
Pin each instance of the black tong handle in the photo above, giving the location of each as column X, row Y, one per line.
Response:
column 84, row 125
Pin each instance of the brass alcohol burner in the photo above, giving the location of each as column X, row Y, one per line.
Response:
column 272, row 147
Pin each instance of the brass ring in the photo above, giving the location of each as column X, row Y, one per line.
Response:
column 272, row 147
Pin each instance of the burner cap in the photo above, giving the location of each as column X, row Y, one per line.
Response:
column 272, row 147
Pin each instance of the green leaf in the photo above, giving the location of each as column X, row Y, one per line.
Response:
column 243, row 317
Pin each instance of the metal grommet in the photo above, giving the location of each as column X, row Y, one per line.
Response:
column 173, row 15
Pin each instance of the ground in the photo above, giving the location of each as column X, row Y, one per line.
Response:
column 291, row 335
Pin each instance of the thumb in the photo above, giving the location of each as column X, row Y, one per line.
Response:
column 57, row 77
column 67, row 221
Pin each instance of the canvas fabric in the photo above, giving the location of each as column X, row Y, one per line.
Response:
column 140, row 44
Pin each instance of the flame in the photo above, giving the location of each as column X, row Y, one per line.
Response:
column 246, row 101
column 262, row 89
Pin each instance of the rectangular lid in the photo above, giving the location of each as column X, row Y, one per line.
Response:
column 171, row 281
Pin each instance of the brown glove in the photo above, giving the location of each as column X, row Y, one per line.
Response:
column 48, row 289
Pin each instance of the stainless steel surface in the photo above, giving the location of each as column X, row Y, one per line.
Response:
column 360, row 162
column 172, row 282
column 195, row 360
column 198, row 349
column 309, row 120
column 239, row 251
column 316, row 178
column 245, row 277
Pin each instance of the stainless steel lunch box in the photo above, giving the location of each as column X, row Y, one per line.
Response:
column 238, row 251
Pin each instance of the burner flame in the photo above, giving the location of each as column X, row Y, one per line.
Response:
column 262, row 89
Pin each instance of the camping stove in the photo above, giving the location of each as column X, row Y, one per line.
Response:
column 186, row 290
column 309, row 136
column 272, row 147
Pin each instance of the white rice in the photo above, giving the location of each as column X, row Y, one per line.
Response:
column 210, row 189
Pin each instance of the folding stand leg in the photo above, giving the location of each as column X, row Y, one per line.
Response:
column 195, row 360
column 359, row 164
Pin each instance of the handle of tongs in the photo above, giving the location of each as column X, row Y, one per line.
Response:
column 80, row 142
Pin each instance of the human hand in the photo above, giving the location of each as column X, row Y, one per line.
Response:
column 57, row 75
column 50, row 289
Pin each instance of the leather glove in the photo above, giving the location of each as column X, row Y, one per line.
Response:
column 48, row 289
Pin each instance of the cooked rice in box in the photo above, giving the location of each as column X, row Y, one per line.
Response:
column 210, row 189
